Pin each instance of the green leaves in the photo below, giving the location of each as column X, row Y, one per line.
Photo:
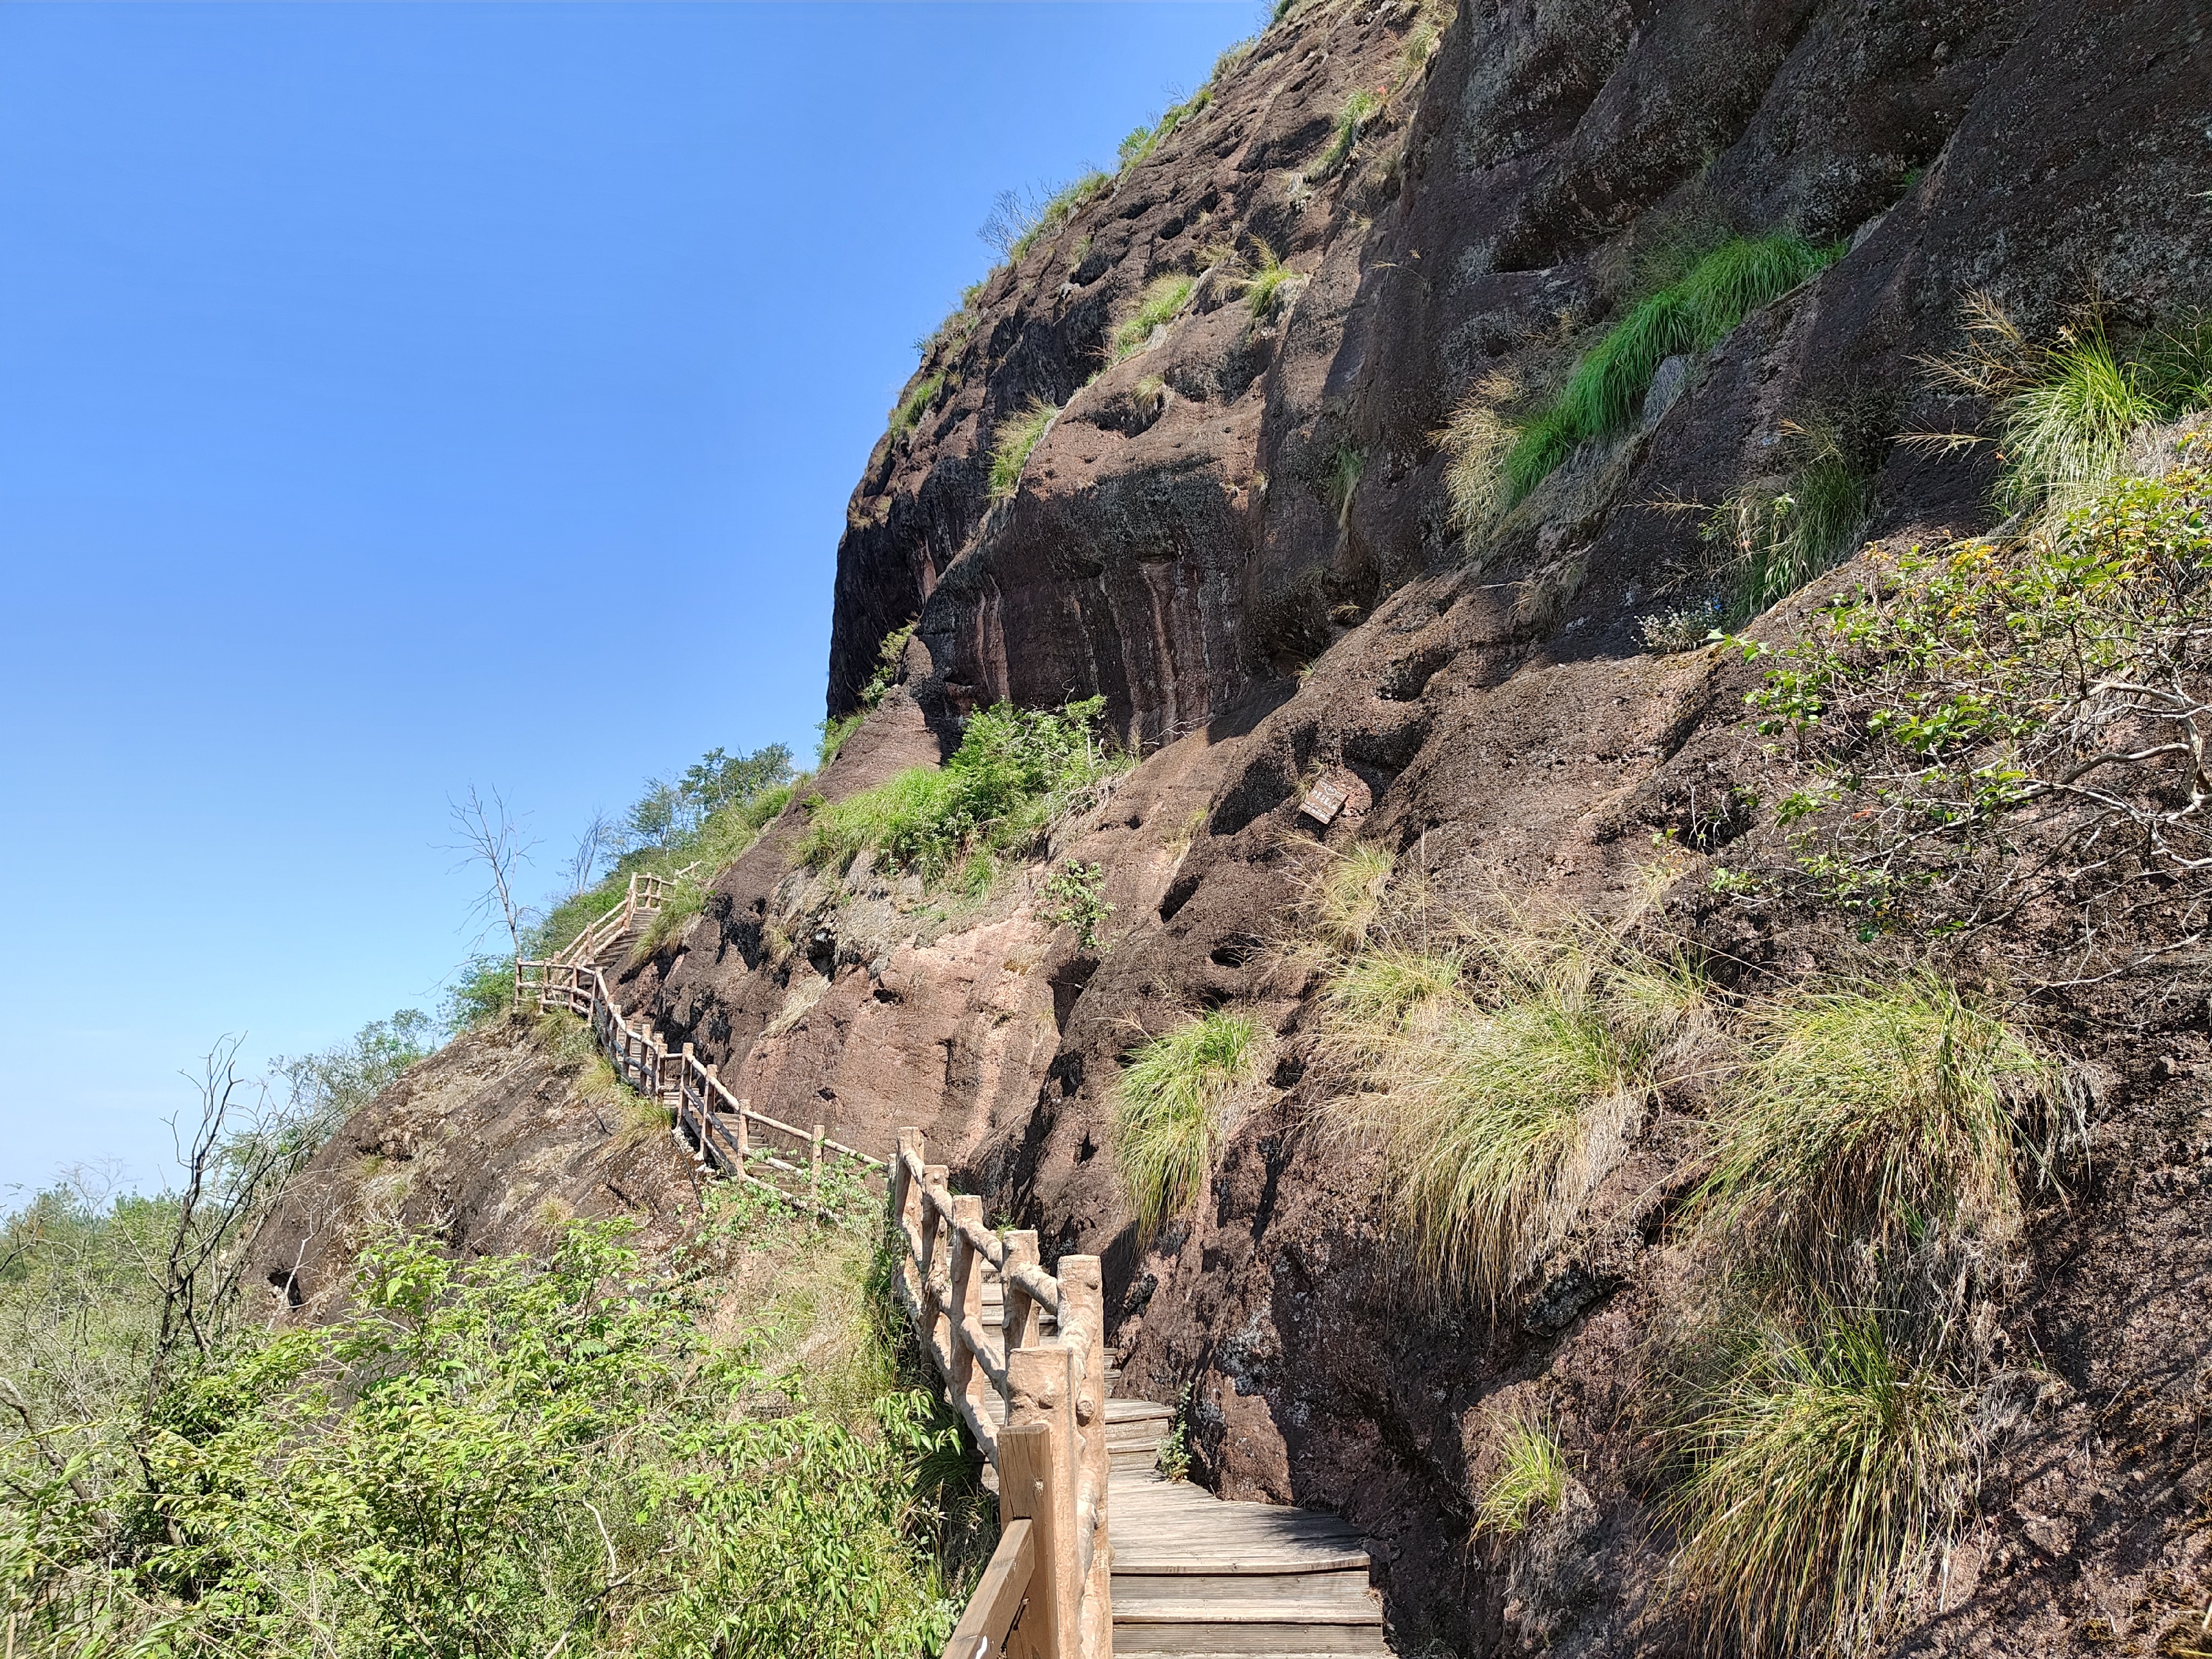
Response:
column 493, row 1457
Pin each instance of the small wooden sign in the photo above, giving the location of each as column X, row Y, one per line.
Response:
column 1337, row 791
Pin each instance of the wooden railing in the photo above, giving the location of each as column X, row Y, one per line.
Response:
column 1047, row 1589
column 722, row 1129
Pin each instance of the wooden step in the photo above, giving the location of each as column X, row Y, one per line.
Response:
column 1211, row 1640
column 1326, row 1598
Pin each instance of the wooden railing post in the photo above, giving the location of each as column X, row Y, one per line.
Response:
column 906, row 1210
column 968, row 1381
column 1025, row 1477
column 1083, row 1307
column 1043, row 1392
column 936, row 1261
column 814, row 1163
column 1019, row 1314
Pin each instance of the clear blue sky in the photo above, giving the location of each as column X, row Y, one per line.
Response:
column 393, row 398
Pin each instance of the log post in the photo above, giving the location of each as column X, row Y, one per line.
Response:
column 1019, row 1314
column 1082, row 1306
column 1025, row 1483
column 936, row 1262
column 905, row 1211
column 814, row 1165
column 970, row 1382
column 1043, row 1393
column 744, row 1138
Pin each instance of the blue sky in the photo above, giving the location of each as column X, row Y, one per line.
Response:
column 396, row 398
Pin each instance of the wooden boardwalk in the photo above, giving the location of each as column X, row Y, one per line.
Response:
column 1195, row 1575
column 1187, row 1575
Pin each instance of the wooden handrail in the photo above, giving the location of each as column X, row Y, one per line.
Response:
column 1052, row 1457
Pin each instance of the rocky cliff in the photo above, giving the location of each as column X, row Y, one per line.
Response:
column 1244, row 529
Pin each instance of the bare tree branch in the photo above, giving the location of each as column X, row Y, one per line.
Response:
column 491, row 836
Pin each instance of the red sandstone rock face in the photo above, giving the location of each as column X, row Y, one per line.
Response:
column 1179, row 548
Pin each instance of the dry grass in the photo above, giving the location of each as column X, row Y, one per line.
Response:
column 1345, row 900
column 1502, row 1077
column 1825, row 1471
column 1864, row 1119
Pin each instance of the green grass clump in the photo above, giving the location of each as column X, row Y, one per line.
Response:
column 1168, row 1109
column 912, row 407
column 1532, row 1475
column 1867, row 1117
column 1775, row 544
column 1359, row 109
column 1016, row 770
column 2070, row 406
column 1345, row 900
column 1606, row 392
column 1016, row 439
column 1823, row 1472
column 1498, row 1107
column 1269, row 284
column 1163, row 300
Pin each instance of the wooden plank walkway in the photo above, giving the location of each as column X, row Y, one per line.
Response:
column 1193, row 1576
column 1197, row 1576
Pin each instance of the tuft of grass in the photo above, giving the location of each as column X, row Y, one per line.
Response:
column 1346, row 898
column 1532, row 1475
column 1359, row 109
column 912, row 407
column 1016, row 770
column 1865, row 1118
column 1476, row 441
column 1342, row 480
column 1825, row 1473
column 1500, row 1107
column 1163, row 299
column 1167, row 1111
column 1605, row 393
column 2069, row 407
column 1010, row 453
column 1271, row 283
column 1776, row 543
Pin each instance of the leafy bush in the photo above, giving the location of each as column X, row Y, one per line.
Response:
column 1074, row 898
column 1016, row 438
column 487, row 1458
column 1869, row 1117
column 1163, row 300
column 484, row 992
column 1606, row 392
column 1168, row 1107
column 1016, row 770
column 1532, row 1475
column 1958, row 695
column 1823, row 1472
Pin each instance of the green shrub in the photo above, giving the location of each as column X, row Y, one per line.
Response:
column 1016, row 770
column 1605, row 393
column 1018, row 435
column 912, row 407
column 1823, row 1472
column 1870, row 1117
column 483, row 993
column 1163, row 300
column 1957, row 683
column 1167, row 1111
column 1532, row 1475
column 489, row 1457
column 1074, row 897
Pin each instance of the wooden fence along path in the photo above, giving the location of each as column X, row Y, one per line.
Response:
column 1098, row 1554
